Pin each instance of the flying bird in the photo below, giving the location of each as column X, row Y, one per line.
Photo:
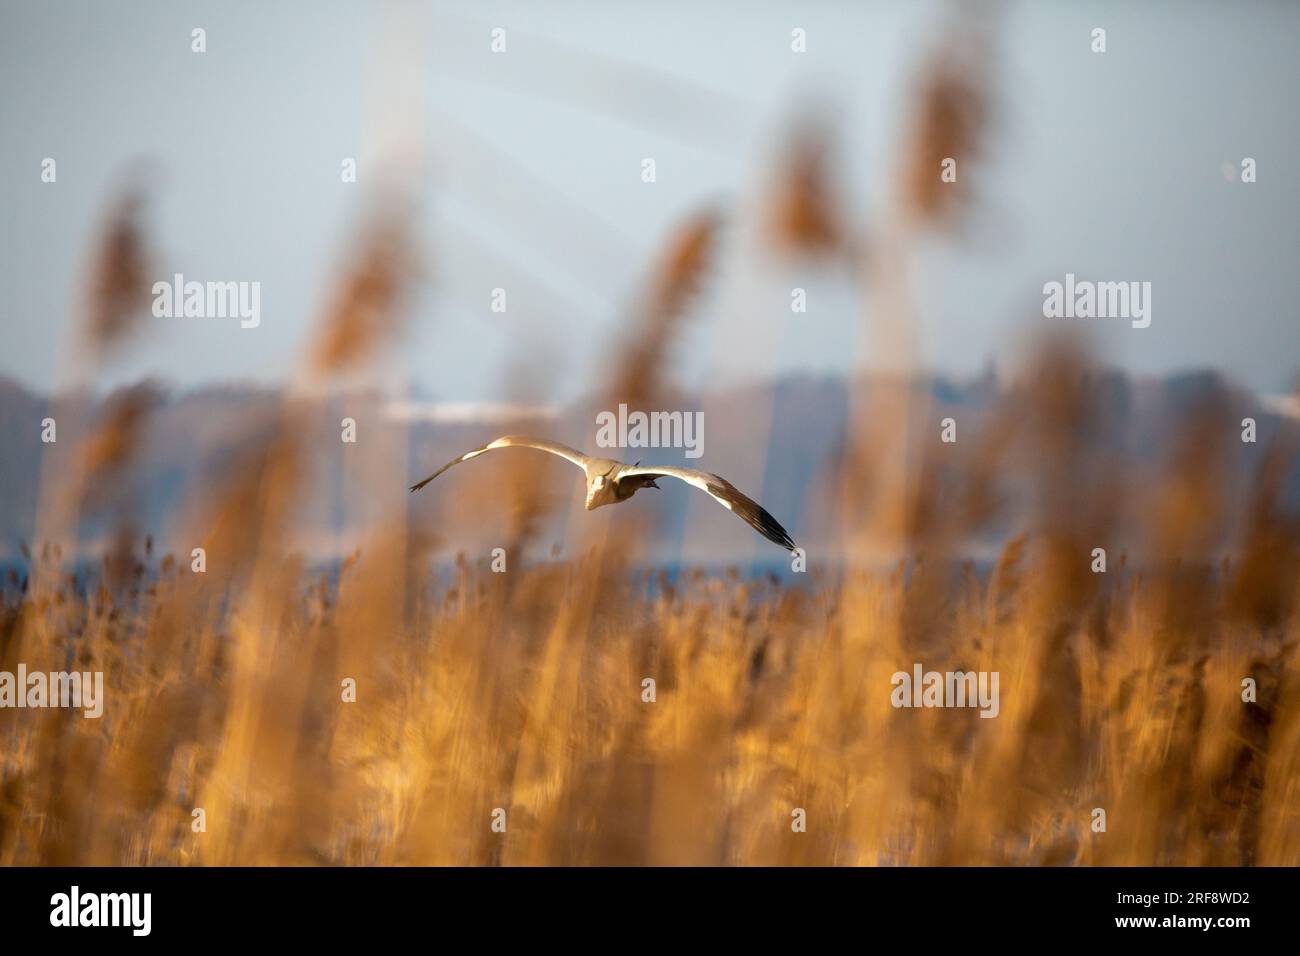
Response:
column 610, row 481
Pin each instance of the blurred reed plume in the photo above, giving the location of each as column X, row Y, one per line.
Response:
column 114, row 441
column 366, row 307
column 802, row 214
column 953, row 115
column 118, row 290
column 880, row 483
column 113, row 305
column 675, row 280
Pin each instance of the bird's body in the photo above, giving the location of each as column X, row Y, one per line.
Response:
column 610, row 481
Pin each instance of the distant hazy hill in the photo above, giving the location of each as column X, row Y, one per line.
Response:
column 779, row 442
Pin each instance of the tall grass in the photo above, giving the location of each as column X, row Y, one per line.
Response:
column 523, row 691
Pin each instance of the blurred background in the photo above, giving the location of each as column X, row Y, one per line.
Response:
column 521, row 170
column 796, row 153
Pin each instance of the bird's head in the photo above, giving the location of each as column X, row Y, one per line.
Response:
column 599, row 492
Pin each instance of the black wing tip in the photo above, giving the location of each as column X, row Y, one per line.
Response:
column 772, row 530
column 756, row 516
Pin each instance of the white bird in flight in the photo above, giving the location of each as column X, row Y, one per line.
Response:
column 610, row 481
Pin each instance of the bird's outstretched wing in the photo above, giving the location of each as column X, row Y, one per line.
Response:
column 725, row 493
column 510, row 441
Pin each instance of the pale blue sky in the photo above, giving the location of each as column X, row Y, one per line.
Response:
column 1110, row 166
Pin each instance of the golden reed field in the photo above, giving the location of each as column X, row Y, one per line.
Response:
column 523, row 691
